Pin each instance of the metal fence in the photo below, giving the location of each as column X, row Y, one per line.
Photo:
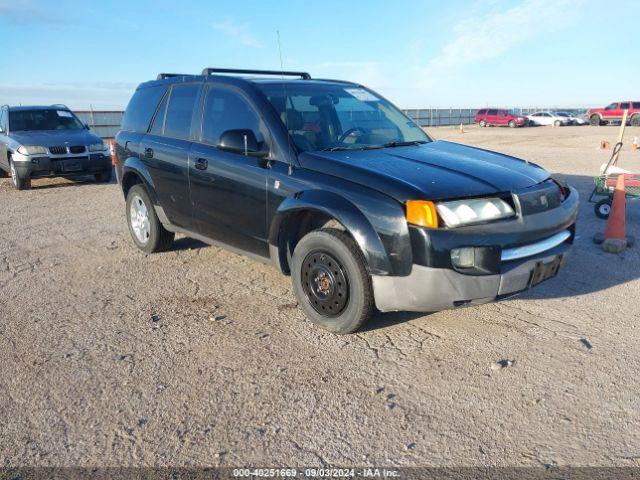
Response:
column 434, row 117
column 107, row 123
column 103, row 123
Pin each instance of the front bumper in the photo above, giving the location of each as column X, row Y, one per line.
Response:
column 38, row 166
column 519, row 250
column 429, row 289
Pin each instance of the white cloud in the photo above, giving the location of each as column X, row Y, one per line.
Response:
column 239, row 32
column 484, row 37
column 79, row 96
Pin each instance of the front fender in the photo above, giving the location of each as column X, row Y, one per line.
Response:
column 346, row 213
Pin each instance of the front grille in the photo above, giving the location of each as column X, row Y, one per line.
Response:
column 58, row 150
column 77, row 149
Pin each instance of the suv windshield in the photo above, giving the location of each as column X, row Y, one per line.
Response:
column 45, row 119
column 340, row 117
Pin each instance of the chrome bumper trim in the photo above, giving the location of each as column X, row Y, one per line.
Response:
column 535, row 248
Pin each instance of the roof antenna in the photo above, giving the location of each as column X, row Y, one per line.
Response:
column 286, row 117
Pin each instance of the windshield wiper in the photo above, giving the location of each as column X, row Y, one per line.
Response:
column 359, row 147
column 402, row 144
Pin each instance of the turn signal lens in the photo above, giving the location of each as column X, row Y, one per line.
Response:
column 422, row 213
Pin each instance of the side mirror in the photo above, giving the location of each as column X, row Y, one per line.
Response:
column 242, row 141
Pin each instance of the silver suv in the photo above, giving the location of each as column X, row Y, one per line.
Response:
column 49, row 141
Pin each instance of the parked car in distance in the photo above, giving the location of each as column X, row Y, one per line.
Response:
column 333, row 185
column 499, row 117
column 613, row 113
column 49, row 141
column 548, row 118
column 573, row 119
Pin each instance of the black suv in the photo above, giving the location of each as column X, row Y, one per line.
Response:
column 49, row 141
column 332, row 184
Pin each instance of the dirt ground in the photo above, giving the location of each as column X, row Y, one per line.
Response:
column 197, row 356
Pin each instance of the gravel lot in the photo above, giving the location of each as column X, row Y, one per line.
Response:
column 198, row 356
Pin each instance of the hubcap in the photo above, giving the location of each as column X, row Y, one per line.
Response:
column 605, row 209
column 325, row 284
column 139, row 216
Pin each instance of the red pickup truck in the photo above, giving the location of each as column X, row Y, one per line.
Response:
column 613, row 113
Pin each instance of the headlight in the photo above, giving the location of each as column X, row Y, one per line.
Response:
column 31, row 150
column 477, row 210
column 97, row 147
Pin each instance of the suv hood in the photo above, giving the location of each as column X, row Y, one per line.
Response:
column 53, row 138
column 437, row 170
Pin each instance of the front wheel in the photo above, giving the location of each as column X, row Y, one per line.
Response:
column 603, row 208
column 146, row 230
column 331, row 281
column 557, row 123
column 19, row 182
column 512, row 124
column 594, row 120
column 635, row 121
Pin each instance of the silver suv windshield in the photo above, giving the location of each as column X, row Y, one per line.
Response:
column 340, row 117
column 43, row 119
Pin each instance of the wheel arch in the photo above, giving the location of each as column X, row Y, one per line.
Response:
column 135, row 172
column 310, row 210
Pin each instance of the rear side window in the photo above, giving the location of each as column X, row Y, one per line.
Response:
column 158, row 122
column 182, row 100
column 226, row 110
column 492, row 112
column 141, row 108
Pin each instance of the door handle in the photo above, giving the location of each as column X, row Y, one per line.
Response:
column 202, row 163
column 148, row 152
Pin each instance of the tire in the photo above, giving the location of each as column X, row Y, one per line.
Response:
column 146, row 230
column 512, row 124
column 103, row 177
column 557, row 123
column 603, row 208
column 594, row 120
column 338, row 279
column 20, row 183
column 635, row 120
column 482, row 123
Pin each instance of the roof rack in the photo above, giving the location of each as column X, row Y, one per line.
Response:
column 303, row 75
column 162, row 76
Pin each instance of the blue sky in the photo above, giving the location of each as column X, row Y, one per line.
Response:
column 416, row 53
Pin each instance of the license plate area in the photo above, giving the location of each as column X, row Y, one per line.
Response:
column 544, row 271
column 71, row 166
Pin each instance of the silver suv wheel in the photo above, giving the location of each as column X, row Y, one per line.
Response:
column 139, row 215
column 14, row 175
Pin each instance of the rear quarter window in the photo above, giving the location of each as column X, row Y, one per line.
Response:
column 141, row 108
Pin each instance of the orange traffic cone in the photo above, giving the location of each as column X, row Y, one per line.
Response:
column 615, row 237
column 635, row 145
column 112, row 152
column 461, row 129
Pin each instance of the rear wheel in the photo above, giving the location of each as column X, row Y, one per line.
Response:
column 331, row 281
column 482, row 123
column 603, row 208
column 19, row 182
column 512, row 124
column 635, row 121
column 594, row 120
column 146, row 230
